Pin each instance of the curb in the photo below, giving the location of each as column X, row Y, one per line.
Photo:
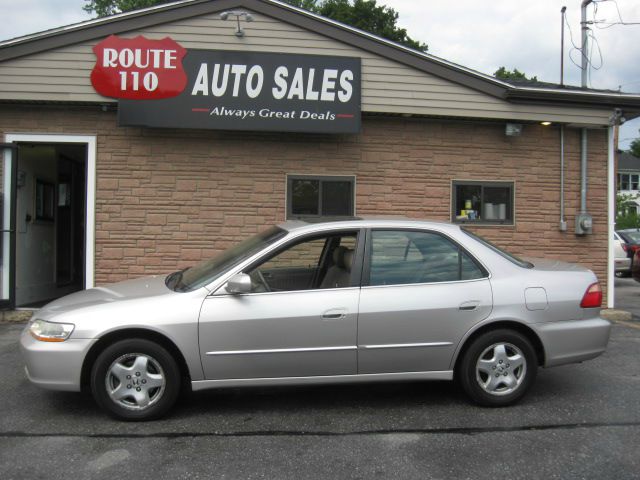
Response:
column 615, row 315
column 20, row 316
column 15, row 316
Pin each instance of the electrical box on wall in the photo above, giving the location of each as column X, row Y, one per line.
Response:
column 584, row 224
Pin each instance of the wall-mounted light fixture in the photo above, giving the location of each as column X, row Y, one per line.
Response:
column 513, row 129
column 545, row 123
column 617, row 118
column 238, row 14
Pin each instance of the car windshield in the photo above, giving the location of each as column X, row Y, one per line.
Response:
column 512, row 258
column 205, row 272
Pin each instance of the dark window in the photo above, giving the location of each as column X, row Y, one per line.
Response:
column 482, row 202
column 406, row 257
column 45, row 200
column 628, row 181
column 315, row 263
column 312, row 196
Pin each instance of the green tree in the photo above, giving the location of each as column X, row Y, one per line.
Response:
column 626, row 217
column 104, row 8
column 366, row 15
column 503, row 74
column 634, row 148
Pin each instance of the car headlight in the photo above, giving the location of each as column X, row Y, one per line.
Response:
column 50, row 331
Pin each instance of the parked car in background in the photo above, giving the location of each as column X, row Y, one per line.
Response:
column 350, row 301
column 631, row 236
column 635, row 266
column 623, row 256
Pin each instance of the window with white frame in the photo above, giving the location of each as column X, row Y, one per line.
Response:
column 628, row 181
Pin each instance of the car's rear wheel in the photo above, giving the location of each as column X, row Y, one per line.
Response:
column 498, row 368
column 135, row 379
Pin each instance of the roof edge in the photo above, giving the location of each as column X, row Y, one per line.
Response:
column 425, row 62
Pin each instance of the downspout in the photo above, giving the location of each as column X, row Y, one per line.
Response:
column 611, row 197
column 583, row 170
column 563, row 222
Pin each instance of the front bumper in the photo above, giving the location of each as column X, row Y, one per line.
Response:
column 573, row 341
column 54, row 365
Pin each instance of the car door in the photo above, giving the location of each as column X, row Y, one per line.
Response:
column 421, row 292
column 293, row 323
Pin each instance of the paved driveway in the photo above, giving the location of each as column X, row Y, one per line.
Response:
column 627, row 294
column 579, row 421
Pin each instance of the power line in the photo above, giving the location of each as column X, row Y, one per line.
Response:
column 609, row 24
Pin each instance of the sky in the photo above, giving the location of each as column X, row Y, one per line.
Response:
column 479, row 34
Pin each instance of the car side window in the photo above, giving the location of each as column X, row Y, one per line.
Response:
column 315, row 263
column 406, row 257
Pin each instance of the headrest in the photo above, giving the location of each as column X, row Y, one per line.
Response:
column 343, row 257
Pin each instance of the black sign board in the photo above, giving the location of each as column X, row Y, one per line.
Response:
column 228, row 90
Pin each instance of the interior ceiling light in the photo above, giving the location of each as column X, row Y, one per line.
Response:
column 546, row 124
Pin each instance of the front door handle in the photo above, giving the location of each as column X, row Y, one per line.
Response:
column 469, row 306
column 334, row 314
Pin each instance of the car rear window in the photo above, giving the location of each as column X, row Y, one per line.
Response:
column 512, row 258
column 634, row 236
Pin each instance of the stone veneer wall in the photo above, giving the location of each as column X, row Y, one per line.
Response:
column 169, row 198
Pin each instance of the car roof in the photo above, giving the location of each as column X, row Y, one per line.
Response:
column 323, row 223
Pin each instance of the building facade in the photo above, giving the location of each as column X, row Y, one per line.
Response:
column 92, row 195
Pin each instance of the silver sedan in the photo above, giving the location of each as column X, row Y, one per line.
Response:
column 349, row 301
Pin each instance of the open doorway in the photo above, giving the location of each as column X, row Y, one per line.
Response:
column 50, row 224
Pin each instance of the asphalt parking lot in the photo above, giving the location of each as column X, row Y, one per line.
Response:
column 579, row 421
column 627, row 292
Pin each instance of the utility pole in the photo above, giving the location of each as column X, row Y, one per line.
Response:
column 562, row 13
column 584, row 221
column 584, row 50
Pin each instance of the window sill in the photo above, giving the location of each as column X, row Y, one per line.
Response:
column 485, row 223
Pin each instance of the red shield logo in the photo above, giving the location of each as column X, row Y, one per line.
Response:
column 138, row 68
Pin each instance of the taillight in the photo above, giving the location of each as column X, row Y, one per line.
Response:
column 592, row 297
column 625, row 247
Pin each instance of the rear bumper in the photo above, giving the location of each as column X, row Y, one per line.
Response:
column 623, row 264
column 573, row 341
column 54, row 365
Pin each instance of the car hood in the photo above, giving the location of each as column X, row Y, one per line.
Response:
column 139, row 288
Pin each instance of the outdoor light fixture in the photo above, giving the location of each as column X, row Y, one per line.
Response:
column 237, row 13
column 513, row 129
column 546, row 124
column 617, row 118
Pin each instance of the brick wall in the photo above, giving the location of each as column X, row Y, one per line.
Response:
column 168, row 198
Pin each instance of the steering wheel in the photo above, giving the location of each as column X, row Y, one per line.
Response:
column 263, row 280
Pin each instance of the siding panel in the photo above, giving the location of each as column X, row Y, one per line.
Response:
column 388, row 87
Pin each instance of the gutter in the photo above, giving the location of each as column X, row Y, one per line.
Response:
column 143, row 18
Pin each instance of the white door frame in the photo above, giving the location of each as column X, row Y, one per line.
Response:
column 90, row 226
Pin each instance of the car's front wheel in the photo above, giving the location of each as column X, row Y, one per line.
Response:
column 135, row 379
column 498, row 368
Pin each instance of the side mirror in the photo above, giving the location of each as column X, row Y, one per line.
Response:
column 239, row 283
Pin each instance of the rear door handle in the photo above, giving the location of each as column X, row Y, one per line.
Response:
column 334, row 314
column 469, row 306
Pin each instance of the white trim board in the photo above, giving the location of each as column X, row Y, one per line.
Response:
column 90, row 229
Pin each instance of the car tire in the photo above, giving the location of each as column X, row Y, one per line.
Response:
column 136, row 380
column 498, row 368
